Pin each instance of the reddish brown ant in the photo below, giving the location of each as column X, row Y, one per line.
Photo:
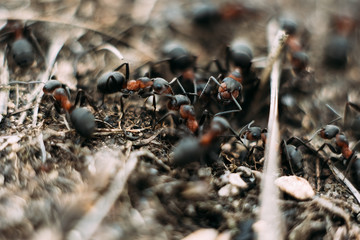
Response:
column 20, row 43
column 82, row 119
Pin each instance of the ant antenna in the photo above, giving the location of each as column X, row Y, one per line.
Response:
column 334, row 111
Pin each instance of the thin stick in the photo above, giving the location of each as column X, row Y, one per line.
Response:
column 270, row 220
column 343, row 179
column 87, row 226
column 4, row 92
column 258, row 102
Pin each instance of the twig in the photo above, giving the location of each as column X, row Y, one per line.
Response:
column 258, row 102
column 270, row 221
column 338, row 174
column 4, row 93
column 87, row 226
column 42, row 148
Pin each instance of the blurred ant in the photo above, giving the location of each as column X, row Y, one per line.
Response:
column 191, row 149
column 82, row 119
column 115, row 81
column 20, row 43
column 298, row 58
column 205, row 15
column 338, row 46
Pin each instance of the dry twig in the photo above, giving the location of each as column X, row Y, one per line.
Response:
column 270, row 221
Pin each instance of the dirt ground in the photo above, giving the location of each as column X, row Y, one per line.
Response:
column 124, row 182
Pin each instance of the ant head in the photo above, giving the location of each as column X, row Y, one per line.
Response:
column 329, row 131
column 51, row 85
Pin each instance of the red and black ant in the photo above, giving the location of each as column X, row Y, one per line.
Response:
column 82, row 119
column 191, row 149
column 182, row 105
column 115, row 81
column 231, row 88
column 341, row 143
column 20, row 43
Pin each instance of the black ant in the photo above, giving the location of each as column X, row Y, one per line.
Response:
column 82, row 119
column 191, row 149
column 20, row 43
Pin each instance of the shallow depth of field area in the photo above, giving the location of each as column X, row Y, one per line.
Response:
column 154, row 119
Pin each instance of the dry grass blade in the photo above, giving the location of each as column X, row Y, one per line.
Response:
column 4, row 92
column 112, row 49
column 87, row 226
column 270, row 221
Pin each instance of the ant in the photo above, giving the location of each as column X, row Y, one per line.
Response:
column 191, row 149
column 81, row 118
column 240, row 56
column 115, row 81
column 205, row 15
column 341, row 143
column 182, row 104
column 20, row 43
column 298, row 58
column 338, row 46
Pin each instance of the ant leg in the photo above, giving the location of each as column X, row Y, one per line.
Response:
column 231, row 111
column 332, row 149
column 206, row 85
column 82, row 96
column 37, row 45
column 337, row 114
column 349, row 105
column 298, row 140
column 180, row 85
column 164, row 117
column 127, row 70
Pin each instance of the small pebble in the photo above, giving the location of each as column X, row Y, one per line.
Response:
column 296, row 187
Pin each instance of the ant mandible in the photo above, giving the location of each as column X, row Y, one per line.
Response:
column 82, row 119
column 20, row 41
